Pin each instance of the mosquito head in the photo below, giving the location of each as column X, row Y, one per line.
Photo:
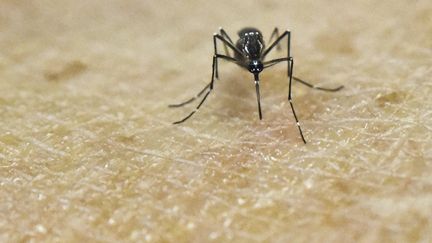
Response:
column 255, row 66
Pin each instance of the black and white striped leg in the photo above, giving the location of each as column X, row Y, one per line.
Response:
column 290, row 100
column 215, row 65
column 225, row 35
column 278, row 60
column 205, row 96
column 205, row 88
column 318, row 88
column 257, row 88
column 275, row 33
column 191, row 99
column 276, row 42
column 227, row 43
column 210, row 86
column 290, row 71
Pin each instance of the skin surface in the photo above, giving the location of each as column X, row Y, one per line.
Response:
column 88, row 152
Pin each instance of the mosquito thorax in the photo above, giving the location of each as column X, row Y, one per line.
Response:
column 250, row 43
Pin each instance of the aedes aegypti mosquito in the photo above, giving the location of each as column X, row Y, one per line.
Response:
column 250, row 53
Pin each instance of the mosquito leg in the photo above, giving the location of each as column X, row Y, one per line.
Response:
column 225, row 35
column 275, row 33
column 290, row 67
column 215, row 65
column 319, row 88
column 257, row 88
column 276, row 61
column 276, row 42
column 227, row 43
column 205, row 96
column 191, row 99
column 290, row 100
column 205, row 88
column 208, row 86
column 215, row 72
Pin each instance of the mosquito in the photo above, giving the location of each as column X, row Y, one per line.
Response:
column 250, row 52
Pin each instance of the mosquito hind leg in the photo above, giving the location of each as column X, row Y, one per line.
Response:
column 275, row 33
column 276, row 43
column 191, row 99
column 318, row 88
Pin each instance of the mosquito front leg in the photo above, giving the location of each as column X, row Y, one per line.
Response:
column 225, row 42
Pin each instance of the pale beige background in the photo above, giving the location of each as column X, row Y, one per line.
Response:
column 88, row 152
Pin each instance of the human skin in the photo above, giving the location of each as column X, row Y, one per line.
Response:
column 88, row 151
